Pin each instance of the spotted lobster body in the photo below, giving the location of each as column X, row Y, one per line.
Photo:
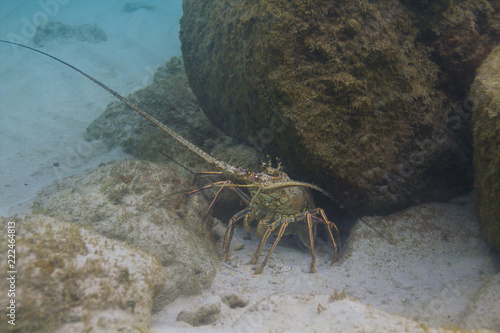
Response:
column 277, row 202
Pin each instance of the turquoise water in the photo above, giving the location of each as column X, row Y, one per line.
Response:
column 45, row 107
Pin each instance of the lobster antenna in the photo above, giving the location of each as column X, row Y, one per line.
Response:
column 149, row 117
column 179, row 164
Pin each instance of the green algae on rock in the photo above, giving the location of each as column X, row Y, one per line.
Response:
column 348, row 94
column 129, row 201
column 70, row 279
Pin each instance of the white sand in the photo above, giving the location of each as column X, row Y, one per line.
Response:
column 429, row 266
column 45, row 106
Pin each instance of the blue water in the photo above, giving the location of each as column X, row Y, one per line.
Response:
column 45, row 107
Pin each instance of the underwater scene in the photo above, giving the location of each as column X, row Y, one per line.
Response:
column 250, row 166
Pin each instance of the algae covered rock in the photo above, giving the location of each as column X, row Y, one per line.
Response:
column 91, row 33
column 200, row 315
column 486, row 122
column 355, row 96
column 132, row 201
column 71, row 279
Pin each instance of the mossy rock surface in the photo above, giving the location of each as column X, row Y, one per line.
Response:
column 70, row 279
column 131, row 201
column 363, row 98
column 486, row 121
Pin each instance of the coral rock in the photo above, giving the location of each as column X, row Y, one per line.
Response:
column 141, row 213
column 71, row 279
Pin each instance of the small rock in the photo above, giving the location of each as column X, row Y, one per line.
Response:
column 238, row 247
column 234, row 301
column 203, row 315
column 91, row 33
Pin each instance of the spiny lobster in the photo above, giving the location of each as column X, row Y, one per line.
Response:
column 272, row 198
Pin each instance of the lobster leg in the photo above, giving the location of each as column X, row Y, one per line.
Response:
column 206, row 173
column 222, row 186
column 263, row 241
column 247, row 227
column 230, row 230
column 329, row 226
column 312, row 267
column 280, row 234
column 223, row 183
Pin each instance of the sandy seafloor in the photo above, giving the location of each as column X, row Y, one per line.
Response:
column 45, row 108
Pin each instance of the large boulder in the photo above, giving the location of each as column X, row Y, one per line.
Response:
column 364, row 98
column 486, row 122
